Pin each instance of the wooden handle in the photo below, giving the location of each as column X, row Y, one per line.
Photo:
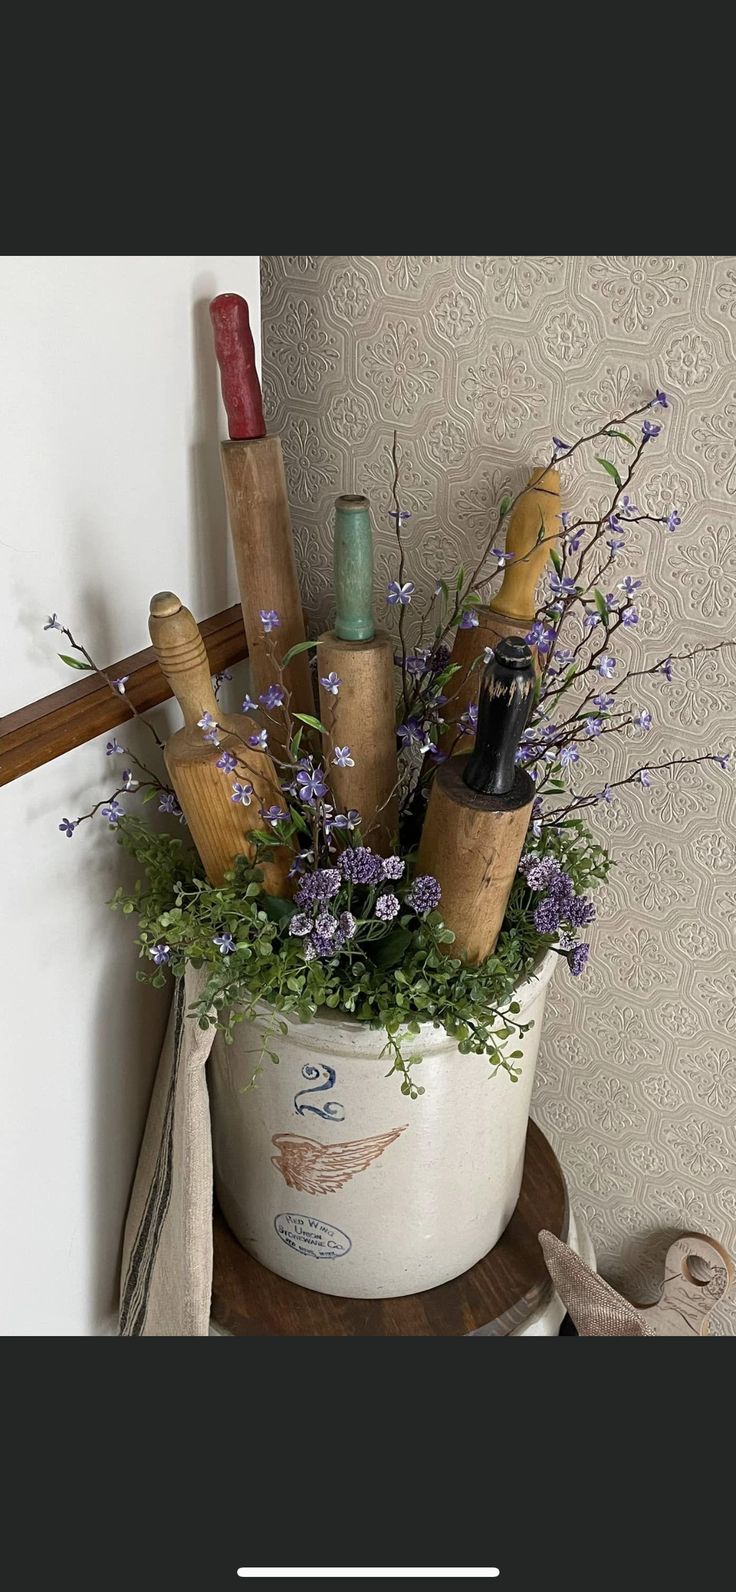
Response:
column 181, row 654
column 353, row 561
column 236, row 357
column 258, row 507
column 220, row 827
column 362, row 717
column 536, row 510
column 472, row 845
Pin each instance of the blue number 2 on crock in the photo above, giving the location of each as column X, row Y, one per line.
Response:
column 332, row 1112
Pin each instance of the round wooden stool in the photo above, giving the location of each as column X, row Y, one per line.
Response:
column 495, row 1298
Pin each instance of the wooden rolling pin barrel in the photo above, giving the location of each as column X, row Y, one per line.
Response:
column 258, row 509
column 360, row 713
column 479, row 809
column 511, row 611
column 220, row 827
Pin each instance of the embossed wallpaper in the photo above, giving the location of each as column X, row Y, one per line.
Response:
column 477, row 360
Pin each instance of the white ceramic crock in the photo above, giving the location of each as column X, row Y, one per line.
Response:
column 332, row 1178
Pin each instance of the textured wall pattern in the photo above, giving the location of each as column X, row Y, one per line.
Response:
column 477, row 360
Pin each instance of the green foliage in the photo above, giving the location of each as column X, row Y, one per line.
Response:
column 395, row 977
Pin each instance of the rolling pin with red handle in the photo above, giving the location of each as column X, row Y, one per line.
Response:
column 258, row 509
column 220, row 826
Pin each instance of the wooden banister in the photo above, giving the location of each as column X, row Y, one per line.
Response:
column 36, row 734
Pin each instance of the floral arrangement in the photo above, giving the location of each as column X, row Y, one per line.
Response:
column 363, row 934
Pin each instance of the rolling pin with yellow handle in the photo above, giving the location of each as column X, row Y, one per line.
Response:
column 479, row 810
column 511, row 611
column 220, row 826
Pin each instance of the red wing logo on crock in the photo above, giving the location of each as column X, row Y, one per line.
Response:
column 315, row 1168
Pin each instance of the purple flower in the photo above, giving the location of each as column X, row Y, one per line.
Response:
column 564, row 519
column 645, row 777
column 630, row 617
column 342, row 758
column 318, row 887
column 615, row 543
column 269, row 619
column 259, row 741
column 320, row 945
column 248, row 705
column 580, row 912
column 300, row 924
column 112, row 811
column 392, row 867
column 606, row 666
column 411, row 733
column 540, row 636
column 242, row 793
column 311, row 785
column 540, row 872
column 673, row 520
column 347, row 924
column 208, row 724
column 649, row 430
column 399, row 594
column 503, row 558
column 273, row 697
column 627, row 506
column 387, row 907
column 129, row 782
column 120, row 683
column 568, row 755
column 577, row 959
column 67, row 825
column 660, row 399
column 560, row 446
column 561, row 584
column 469, row 620
column 721, row 758
column 354, row 818
column 160, row 953
column 360, row 865
column 629, row 586
column 169, row 804
column 399, row 515
column 331, row 682
column 112, row 748
column 228, row 762
column 326, row 925
column 667, row 669
column 594, row 726
column 563, row 656
column 425, row 894
column 604, row 701
column 52, row 623
column 273, row 815
column 643, row 720
column 224, row 942
column 607, row 794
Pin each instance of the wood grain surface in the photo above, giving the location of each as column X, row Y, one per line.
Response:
column 498, row 1295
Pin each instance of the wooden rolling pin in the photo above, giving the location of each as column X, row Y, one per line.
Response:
column 362, row 715
column 479, row 810
column 511, row 611
column 220, row 827
column 258, row 509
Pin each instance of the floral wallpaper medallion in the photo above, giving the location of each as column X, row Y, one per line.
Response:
column 477, row 360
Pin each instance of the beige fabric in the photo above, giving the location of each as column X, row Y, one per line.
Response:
column 595, row 1308
column 166, row 1280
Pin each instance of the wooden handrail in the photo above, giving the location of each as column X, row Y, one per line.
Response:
column 36, row 734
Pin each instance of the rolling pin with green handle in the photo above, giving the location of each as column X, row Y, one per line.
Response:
column 359, row 712
column 220, row 827
column 511, row 611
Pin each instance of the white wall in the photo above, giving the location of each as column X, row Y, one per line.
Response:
column 109, row 490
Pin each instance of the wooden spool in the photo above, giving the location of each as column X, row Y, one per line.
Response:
column 472, row 843
column 220, row 827
column 258, row 508
column 511, row 611
column 493, row 1299
column 363, row 717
